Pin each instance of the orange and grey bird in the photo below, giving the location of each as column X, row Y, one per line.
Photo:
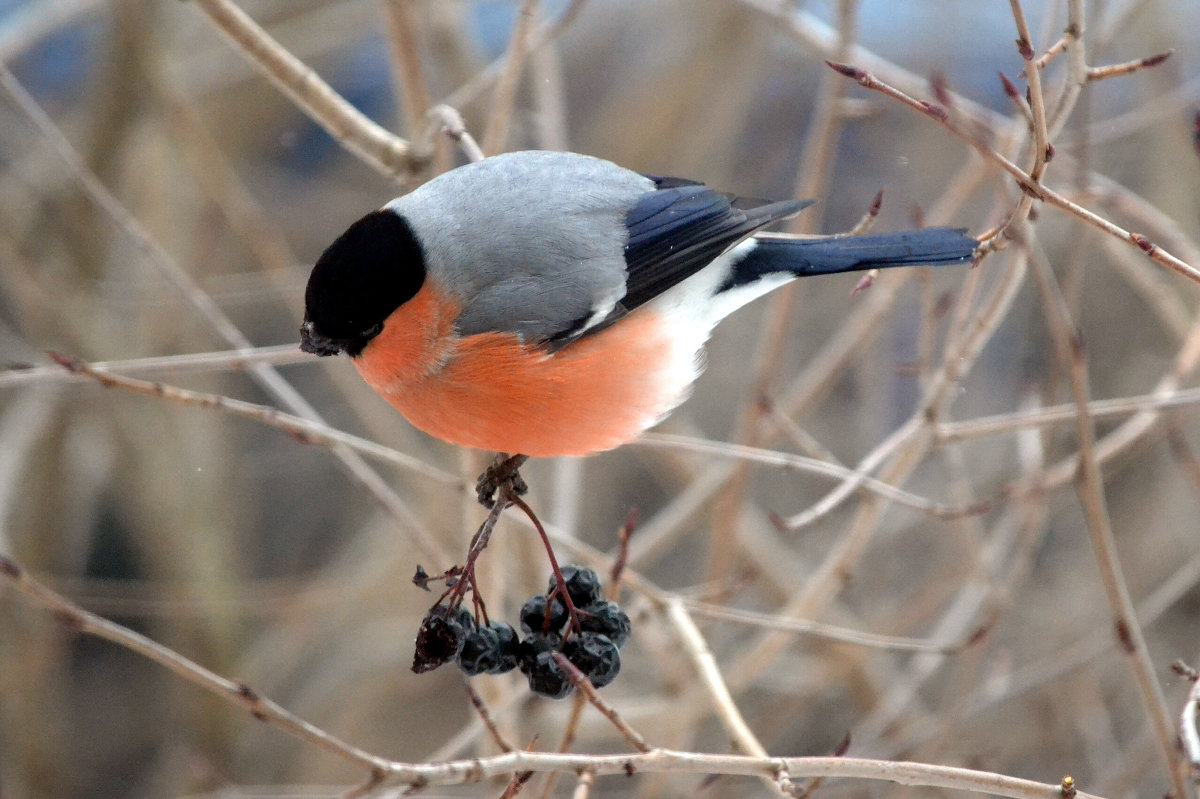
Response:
column 551, row 304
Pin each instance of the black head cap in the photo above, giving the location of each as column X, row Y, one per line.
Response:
column 371, row 270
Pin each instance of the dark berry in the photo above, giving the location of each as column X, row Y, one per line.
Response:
column 583, row 585
column 480, row 651
column 533, row 645
column 464, row 617
column 440, row 637
column 606, row 617
column 509, row 647
column 595, row 655
column 546, row 677
column 533, row 615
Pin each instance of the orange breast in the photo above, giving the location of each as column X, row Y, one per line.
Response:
column 492, row 392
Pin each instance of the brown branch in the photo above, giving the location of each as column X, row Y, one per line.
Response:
column 485, row 716
column 583, row 788
column 303, row 430
column 566, row 741
column 487, row 77
column 478, row 769
column 1090, row 489
column 406, row 57
column 213, row 315
column 852, row 479
column 1128, row 67
column 504, row 98
column 585, row 687
column 449, row 122
column 223, row 360
column 234, row 691
column 1023, row 179
column 383, row 151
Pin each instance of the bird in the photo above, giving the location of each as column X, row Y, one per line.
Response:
column 558, row 304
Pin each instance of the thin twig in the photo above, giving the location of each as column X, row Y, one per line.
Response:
column 517, row 783
column 505, row 96
column 570, row 730
column 583, row 788
column 710, row 676
column 386, row 153
column 260, row 707
column 1053, row 51
column 1026, row 183
column 477, row 769
column 818, row 629
column 1077, row 67
column 450, row 124
column 1042, row 149
column 613, row 590
column 585, row 687
column 854, row 478
column 487, row 77
column 1090, row 488
column 303, row 430
column 1059, row 414
column 1017, row 99
column 406, row 56
column 803, row 440
column 485, row 716
column 714, row 685
column 214, row 317
column 1127, row 67
column 223, row 360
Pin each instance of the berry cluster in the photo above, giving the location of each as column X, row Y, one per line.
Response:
column 592, row 648
column 589, row 634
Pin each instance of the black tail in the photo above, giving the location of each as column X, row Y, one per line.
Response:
column 801, row 257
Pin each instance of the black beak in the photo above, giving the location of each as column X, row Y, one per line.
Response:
column 314, row 342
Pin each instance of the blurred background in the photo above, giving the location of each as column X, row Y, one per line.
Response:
column 263, row 559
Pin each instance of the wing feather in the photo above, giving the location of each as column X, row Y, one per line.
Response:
column 680, row 227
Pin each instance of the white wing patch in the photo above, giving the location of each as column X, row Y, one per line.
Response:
column 692, row 308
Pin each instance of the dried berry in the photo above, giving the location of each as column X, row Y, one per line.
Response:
column 595, row 655
column 546, row 677
column 480, row 652
column 509, row 645
column 535, row 618
column 535, row 644
column 489, row 650
column 583, row 585
column 606, row 617
column 440, row 637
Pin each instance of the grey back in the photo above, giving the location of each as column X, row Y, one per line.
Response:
column 531, row 242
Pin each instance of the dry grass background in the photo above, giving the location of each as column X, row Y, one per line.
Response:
column 256, row 555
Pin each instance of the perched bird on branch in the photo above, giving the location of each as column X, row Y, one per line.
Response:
column 557, row 304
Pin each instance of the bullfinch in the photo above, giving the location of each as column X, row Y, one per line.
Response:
column 549, row 303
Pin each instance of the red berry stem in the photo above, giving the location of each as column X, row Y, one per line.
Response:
column 560, row 587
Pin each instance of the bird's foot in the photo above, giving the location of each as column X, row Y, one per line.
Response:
column 505, row 469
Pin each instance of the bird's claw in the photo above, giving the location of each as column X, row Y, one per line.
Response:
column 504, row 470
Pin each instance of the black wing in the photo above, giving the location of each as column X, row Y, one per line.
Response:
column 680, row 227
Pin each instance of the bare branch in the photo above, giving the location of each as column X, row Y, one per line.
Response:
column 1024, row 180
column 384, row 152
column 1128, row 67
